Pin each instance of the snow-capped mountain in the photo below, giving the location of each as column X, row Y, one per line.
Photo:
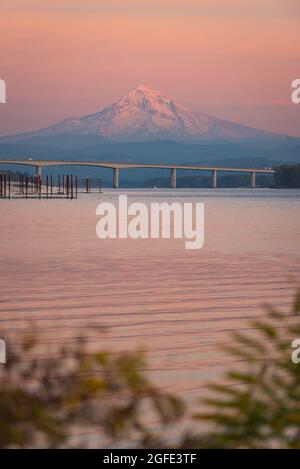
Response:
column 146, row 114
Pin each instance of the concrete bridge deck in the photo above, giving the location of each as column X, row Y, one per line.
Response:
column 39, row 164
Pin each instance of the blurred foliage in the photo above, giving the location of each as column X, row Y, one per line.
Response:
column 42, row 400
column 259, row 404
column 256, row 405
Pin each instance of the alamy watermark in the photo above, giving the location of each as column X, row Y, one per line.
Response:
column 2, row 91
column 2, row 351
column 154, row 220
column 295, row 96
column 296, row 353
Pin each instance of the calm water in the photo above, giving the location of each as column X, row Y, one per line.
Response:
column 154, row 295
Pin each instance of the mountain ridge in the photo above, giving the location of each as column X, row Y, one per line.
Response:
column 146, row 114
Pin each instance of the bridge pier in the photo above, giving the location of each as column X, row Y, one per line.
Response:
column 116, row 178
column 173, row 178
column 214, row 179
column 253, row 180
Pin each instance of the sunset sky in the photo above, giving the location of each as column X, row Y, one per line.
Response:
column 234, row 59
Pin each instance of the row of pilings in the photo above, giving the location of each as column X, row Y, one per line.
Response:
column 5, row 185
column 61, row 186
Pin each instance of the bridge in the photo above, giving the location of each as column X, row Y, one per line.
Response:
column 116, row 167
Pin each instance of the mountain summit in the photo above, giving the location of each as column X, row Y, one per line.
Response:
column 146, row 114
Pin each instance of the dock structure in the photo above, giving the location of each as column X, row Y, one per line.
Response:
column 26, row 186
column 116, row 167
column 5, row 185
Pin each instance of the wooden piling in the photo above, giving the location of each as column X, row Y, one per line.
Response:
column 67, row 185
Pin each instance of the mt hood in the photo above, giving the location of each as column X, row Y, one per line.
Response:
column 146, row 114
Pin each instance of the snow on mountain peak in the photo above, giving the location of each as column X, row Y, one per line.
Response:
column 142, row 87
column 146, row 91
column 146, row 114
column 145, row 97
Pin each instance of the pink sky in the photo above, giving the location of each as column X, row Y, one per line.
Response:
column 232, row 59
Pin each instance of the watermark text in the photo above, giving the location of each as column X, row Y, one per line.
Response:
column 2, row 92
column 295, row 96
column 2, row 351
column 296, row 353
column 154, row 220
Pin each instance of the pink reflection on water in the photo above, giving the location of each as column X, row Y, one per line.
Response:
column 154, row 295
